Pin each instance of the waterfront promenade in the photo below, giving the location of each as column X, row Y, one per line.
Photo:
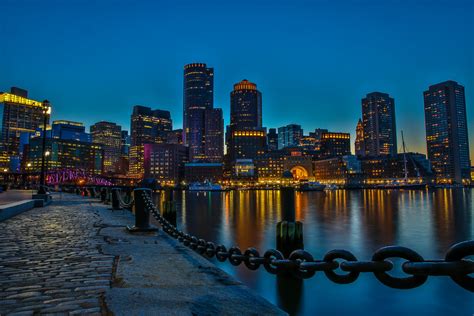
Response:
column 75, row 257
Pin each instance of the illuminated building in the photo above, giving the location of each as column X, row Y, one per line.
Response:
column 201, row 122
column 109, row 135
column 272, row 165
column 272, row 139
column 202, row 171
column 359, row 142
column 289, row 135
column 147, row 127
column 446, row 132
column 342, row 170
column 165, row 162
column 334, row 144
column 387, row 168
column 246, row 138
column 64, row 154
column 70, row 130
column 214, row 136
column 122, row 167
column 378, row 120
column 18, row 114
column 244, row 168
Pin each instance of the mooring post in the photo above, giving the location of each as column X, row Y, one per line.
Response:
column 108, row 197
column 142, row 212
column 115, row 199
column 84, row 192
column 169, row 206
column 289, row 234
column 78, row 192
column 103, row 194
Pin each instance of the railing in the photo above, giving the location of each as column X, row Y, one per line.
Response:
column 301, row 264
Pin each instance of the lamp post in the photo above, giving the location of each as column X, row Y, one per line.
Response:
column 46, row 112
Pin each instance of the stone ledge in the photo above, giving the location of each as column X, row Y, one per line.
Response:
column 9, row 210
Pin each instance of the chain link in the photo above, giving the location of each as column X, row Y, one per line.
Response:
column 301, row 263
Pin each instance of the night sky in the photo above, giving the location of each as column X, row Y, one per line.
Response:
column 312, row 60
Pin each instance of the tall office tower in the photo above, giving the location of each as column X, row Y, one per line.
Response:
column 109, row 135
column 378, row 119
column 147, row 127
column 17, row 114
column 272, row 139
column 359, row 141
column 247, row 138
column 289, row 135
column 198, row 97
column 214, row 138
column 70, row 130
column 446, row 132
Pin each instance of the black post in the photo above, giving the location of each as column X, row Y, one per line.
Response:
column 41, row 189
column 289, row 236
column 103, row 193
column 142, row 212
column 115, row 199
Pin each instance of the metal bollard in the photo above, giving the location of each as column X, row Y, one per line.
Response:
column 85, row 192
column 107, row 196
column 115, row 199
column 78, row 192
column 289, row 233
column 142, row 213
column 103, row 194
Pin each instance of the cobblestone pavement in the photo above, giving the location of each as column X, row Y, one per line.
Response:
column 51, row 260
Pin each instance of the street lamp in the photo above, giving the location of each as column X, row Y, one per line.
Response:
column 46, row 112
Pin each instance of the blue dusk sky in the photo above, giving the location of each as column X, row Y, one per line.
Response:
column 313, row 61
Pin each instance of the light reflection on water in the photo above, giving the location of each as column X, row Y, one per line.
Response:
column 360, row 221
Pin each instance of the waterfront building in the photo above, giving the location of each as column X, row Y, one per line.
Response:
column 109, row 135
column 200, row 123
column 378, row 120
column 244, row 168
column 272, row 139
column 332, row 144
column 446, row 132
column 18, row 114
column 203, row 171
column 289, row 135
column 246, row 137
column 70, row 130
column 64, row 154
column 342, row 170
column 165, row 162
column 384, row 169
column 123, row 163
column 359, row 141
column 147, row 127
column 272, row 165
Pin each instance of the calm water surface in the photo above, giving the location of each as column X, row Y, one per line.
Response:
column 360, row 221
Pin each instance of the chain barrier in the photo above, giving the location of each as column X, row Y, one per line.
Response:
column 124, row 204
column 301, row 263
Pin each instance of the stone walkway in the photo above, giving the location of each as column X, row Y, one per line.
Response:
column 76, row 257
column 51, row 261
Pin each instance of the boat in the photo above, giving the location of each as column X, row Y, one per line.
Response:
column 311, row 186
column 205, row 186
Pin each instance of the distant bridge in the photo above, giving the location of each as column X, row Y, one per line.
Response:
column 68, row 176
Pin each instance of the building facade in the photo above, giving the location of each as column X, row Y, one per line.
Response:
column 198, row 90
column 165, row 162
column 109, row 135
column 446, row 132
column 379, row 128
column 289, row 135
column 70, row 130
column 246, row 137
column 332, row 144
column 359, row 141
column 202, row 171
column 272, row 139
column 18, row 114
column 214, row 136
column 147, row 127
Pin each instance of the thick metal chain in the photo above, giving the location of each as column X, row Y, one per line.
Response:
column 301, row 263
column 124, row 204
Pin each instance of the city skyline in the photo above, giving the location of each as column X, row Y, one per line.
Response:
column 322, row 82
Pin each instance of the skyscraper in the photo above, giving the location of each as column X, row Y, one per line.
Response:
column 17, row 114
column 247, row 138
column 147, row 127
column 359, row 142
column 198, row 97
column 214, row 136
column 446, row 132
column 289, row 135
column 109, row 135
column 378, row 120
